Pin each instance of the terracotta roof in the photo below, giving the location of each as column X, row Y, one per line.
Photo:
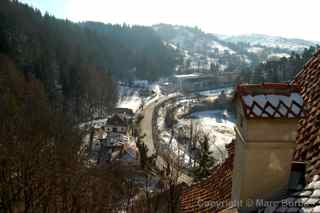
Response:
column 308, row 144
column 305, row 200
column 271, row 100
column 212, row 194
column 308, row 141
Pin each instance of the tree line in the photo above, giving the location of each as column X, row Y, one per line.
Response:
column 55, row 74
column 281, row 70
column 43, row 163
column 61, row 53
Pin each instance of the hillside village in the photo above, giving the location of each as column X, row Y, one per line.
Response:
column 110, row 118
column 266, row 131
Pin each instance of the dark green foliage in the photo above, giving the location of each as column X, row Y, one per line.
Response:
column 146, row 162
column 41, row 165
column 282, row 70
column 143, row 150
column 206, row 161
column 170, row 119
column 58, row 51
column 143, row 55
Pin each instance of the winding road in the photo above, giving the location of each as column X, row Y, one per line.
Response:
column 146, row 127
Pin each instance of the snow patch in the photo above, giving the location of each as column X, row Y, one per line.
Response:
column 219, row 124
column 255, row 50
column 279, row 55
column 131, row 100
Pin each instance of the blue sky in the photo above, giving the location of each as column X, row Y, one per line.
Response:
column 54, row 7
column 288, row 18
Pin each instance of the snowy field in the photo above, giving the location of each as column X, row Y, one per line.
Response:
column 216, row 92
column 217, row 124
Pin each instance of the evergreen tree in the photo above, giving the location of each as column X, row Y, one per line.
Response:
column 206, row 161
column 280, row 70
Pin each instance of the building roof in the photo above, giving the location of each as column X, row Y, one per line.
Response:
column 271, row 100
column 123, row 110
column 188, row 76
column 117, row 120
column 208, row 195
column 305, row 200
column 308, row 141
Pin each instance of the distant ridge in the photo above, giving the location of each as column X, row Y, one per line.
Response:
column 206, row 52
column 295, row 44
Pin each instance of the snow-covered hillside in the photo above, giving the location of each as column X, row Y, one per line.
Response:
column 270, row 41
column 200, row 51
column 204, row 52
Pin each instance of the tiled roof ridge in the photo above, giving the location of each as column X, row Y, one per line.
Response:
column 230, row 150
column 308, row 140
column 305, row 200
column 306, row 65
column 217, row 187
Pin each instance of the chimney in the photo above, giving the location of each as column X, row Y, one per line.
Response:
column 267, row 118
